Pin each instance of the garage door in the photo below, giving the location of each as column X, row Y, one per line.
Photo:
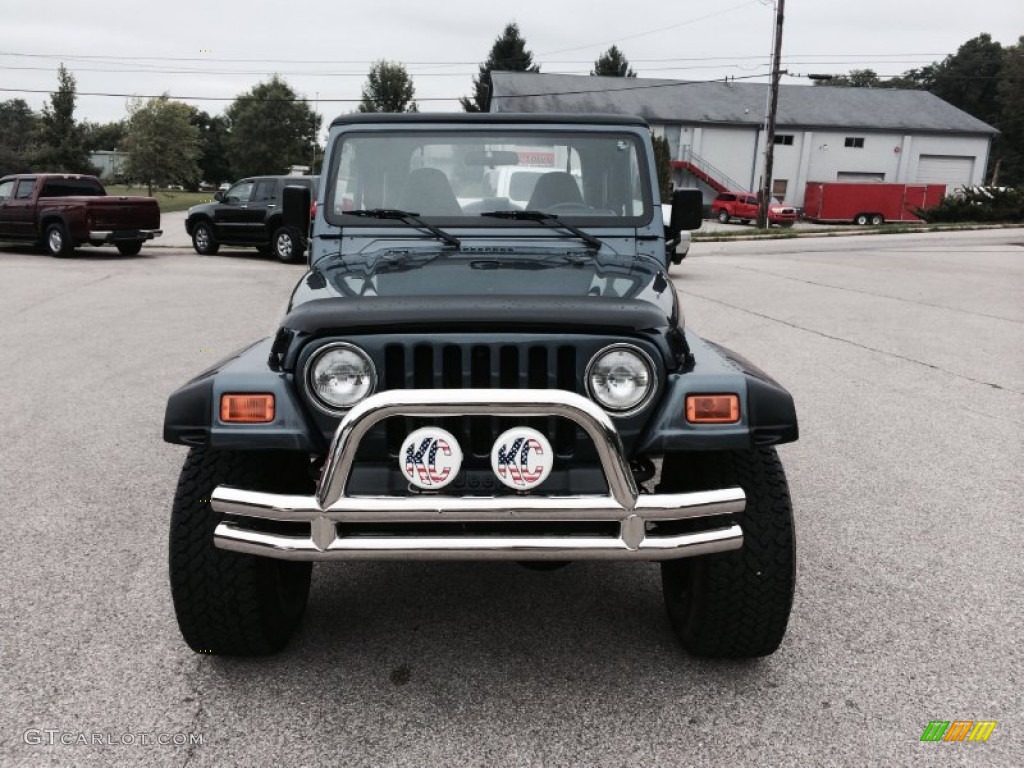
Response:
column 951, row 170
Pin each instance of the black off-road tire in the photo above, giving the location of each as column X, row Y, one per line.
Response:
column 203, row 240
column 230, row 603
column 57, row 241
column 130, row 248
column 734, row 604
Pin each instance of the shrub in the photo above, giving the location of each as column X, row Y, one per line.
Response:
column 978, row 204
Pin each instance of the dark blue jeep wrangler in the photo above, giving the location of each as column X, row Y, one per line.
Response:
column 464, row 376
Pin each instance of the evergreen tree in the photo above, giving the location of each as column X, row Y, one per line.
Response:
column 59, row 139
column 213, row 152
column 612, row 63
column 18, row 124
column 507, row 54
column 388, row 89
column 663, row 165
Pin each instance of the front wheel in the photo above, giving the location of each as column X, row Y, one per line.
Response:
column 734, row 604
column 130, row 249
column 226, row 602
column 58, row 242
column 285, row 245
column 723, row 217
column 203, row 241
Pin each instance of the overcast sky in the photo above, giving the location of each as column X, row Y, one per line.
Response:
column 220, row 48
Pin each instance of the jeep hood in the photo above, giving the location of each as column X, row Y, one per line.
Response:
column 439, row 277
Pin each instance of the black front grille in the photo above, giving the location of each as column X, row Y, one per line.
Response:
column 482, row 366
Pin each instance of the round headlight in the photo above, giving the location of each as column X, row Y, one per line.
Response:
column 340, row 375
column 621, row 378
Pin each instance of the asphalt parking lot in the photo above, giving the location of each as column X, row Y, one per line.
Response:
column 904, row 354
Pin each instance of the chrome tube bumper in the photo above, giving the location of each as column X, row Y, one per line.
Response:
column 330, row 509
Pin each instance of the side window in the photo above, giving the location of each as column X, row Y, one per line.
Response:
column 726, row 198
column 6, row 188
column 266, row 191
column 242, row 191
column 25, row 187
column 855, row 142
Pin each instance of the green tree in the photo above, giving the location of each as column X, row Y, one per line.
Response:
column 213, row 152
column 507, row 54
column 968, row 79
column 388, row 88
column 162, row 143
column 663, row 164
column 59, row 138
column 96, row 136
column 858, row 78
column 612, row 63
column 18, row 124
column 1008, row 168
column 270, row 129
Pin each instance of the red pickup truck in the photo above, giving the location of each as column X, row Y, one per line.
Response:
column 743, row 206
column 63, row 211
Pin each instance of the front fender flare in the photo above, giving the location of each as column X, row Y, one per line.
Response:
column 767, row 412
column 193, row 411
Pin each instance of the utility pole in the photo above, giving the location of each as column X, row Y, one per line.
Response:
column 773, row 105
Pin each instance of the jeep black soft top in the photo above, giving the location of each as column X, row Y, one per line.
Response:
column 459, row 376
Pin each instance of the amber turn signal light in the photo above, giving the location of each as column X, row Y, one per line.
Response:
column 247, row 409
column 712, row 409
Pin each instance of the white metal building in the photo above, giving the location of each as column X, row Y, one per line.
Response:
column 716, row 130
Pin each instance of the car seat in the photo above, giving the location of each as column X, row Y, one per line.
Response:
column 556, row 188
column 428, row 193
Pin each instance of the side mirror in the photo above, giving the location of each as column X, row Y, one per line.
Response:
column 218, row 195
column 687, row 211
column 295, row 209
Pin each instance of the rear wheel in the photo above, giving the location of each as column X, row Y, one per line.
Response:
column 130, row 249
column 203, row 240
column 861, row 218
column 734, row 604
column 226, row 602
column 58, row 242
column 877, row 219
column 723, row 217
column 285, row 245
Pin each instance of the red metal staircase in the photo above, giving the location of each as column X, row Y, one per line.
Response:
column 714, row 177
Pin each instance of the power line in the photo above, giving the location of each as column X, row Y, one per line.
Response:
column 646, row 86
column 665, row 28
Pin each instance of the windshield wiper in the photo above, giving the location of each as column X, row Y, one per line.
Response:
column 409, row 218
column 548, row 220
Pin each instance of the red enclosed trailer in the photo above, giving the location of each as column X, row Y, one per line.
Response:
column 868, row 203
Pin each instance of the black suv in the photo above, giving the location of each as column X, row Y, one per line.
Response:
column 249, row 213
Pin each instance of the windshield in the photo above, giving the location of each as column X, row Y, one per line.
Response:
column 456, row 176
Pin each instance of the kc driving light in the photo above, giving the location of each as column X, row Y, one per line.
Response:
column 340, row 375
column 621, row 378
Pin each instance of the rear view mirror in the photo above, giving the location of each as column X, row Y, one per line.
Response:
column 218, row 195
column 687, row 210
